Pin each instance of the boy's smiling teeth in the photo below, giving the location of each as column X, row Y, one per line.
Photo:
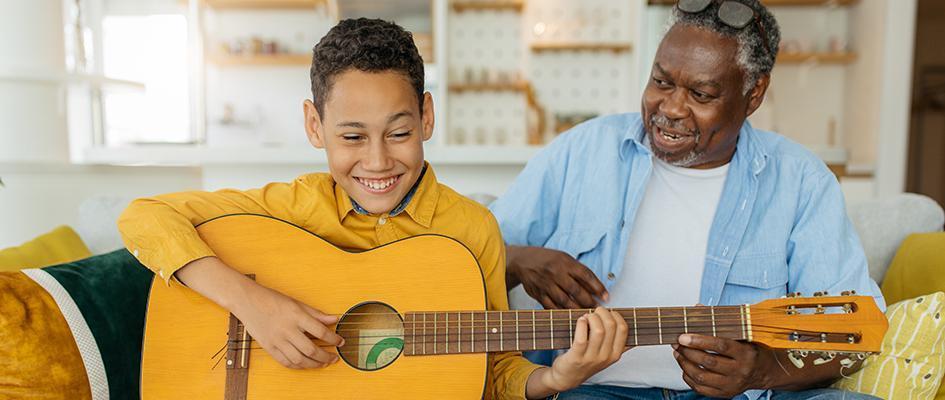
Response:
column 378, row 184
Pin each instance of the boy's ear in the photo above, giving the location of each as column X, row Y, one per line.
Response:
column 427, row 119
column 313, row 125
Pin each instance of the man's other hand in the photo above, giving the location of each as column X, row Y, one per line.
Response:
column 553, row 277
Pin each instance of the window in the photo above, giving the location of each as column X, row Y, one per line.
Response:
column 151, row 49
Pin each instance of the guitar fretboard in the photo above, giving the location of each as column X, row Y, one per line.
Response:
column 456, row 332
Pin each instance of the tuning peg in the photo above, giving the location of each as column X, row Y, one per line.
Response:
column 848, row 293
column 820, row 294
column 795, row 294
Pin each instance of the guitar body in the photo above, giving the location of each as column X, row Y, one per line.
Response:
column 183, row 330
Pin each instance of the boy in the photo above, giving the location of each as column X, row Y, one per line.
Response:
column 371, row 116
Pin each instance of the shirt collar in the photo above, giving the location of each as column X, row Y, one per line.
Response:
column 633, row 139
column 419, row 203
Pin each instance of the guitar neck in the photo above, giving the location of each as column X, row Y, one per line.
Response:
column 457, row 332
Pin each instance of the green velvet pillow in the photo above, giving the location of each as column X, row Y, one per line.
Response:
column 103, row 300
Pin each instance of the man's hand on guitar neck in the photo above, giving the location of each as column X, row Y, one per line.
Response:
column 600, row 338
column 277, row 322
column 553, row 277
column 720, row 367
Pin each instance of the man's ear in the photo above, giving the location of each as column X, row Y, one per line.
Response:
column 313, row 125
column 426, row 117
column 757, row 94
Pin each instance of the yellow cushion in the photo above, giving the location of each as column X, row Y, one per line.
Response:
column 912, row 356
column 917, row 269
column 61, row 245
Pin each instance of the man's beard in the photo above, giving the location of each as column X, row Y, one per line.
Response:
column 687, row 161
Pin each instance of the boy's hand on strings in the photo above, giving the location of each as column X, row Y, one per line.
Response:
column 283, row 326
column 600, row 338
column 280, row 323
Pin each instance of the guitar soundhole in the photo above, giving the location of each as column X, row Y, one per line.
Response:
column 374, row 336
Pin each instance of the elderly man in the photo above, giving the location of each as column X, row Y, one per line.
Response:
column 686, row 203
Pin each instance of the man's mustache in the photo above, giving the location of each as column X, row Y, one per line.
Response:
column 665, row 123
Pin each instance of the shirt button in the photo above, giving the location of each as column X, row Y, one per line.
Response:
column 381, row 221
column 611, row 276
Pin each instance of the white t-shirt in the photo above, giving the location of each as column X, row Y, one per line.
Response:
column 664, row 264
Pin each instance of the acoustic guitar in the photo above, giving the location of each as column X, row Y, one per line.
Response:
column 413, row 315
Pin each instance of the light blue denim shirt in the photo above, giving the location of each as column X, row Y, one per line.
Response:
column 780, row 226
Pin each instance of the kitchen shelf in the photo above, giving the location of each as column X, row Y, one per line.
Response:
column 262, row 4
column 776, row 3
column 461, row 6
column 578, row 46
column 260, row 59
column 818, row 58
column 487, row 87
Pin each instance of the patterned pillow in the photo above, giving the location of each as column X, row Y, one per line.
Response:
column 73, row 331
column 913, row 353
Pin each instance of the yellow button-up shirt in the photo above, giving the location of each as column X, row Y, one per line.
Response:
column 160, row 232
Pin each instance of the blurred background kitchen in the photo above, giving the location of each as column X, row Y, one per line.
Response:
column 105, row 100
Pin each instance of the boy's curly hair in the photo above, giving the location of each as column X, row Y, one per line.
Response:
column 369, row 45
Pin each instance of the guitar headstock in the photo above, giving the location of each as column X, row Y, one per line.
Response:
column 845, row 324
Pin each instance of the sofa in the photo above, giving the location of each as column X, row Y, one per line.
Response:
column 901, row 223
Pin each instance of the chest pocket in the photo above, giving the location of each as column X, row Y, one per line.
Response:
column 581, row 245
column 756, row 278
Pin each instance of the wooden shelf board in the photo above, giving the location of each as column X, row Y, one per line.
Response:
column 776, row 3
column 576, row 46
column 260, row 60
column 485, row 87
column 819, row 58
column 261, row 4
column 514, row 5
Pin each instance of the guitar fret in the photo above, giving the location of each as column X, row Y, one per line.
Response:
column 424, row 335
column 636, row 338
column 659, row 324
column 447, row 338
column 434, row 333
column 712, row 312
column 551, row 326
column 413, row 332
column 570, row 328
column 501, row 334
column 741, row 314
column 534, row 340
column 486, row 324
column 472, row 332
column 517, row 347
column 685, row 321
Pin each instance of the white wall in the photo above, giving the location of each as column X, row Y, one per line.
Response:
column 39, row 197
column 31, row 110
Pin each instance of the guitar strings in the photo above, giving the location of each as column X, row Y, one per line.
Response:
column 719, row 310
column 540, row 336
column 419, row 348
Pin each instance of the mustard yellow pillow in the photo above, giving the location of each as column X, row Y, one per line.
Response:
column 61, row 245
column 913, row 353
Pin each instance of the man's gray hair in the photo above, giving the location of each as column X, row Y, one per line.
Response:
column 752, row 57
